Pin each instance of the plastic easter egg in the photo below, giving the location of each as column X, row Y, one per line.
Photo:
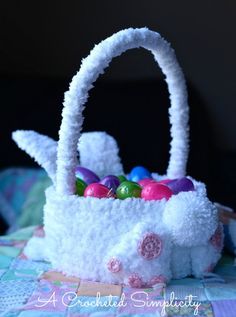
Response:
column 145, row 181
column 128, row 189
column 86, row 175
column 80, row 187
column 111, row 182
column 181, row 185
column 138, row 173
column 122, row 178
column 156, row 191
column 98, row 190
column 165, row 181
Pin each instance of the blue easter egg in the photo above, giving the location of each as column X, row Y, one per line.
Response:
column 138, row 173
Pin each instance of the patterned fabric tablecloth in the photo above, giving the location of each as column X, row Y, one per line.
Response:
column 32, row 289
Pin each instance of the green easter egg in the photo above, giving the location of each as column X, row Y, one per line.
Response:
column 122, row 178
column 128, row 189
column 80, row 187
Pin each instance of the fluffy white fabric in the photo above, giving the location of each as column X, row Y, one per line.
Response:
column 196, row 260
column 126, row 251
column 82, row 82
column 100, row 153
column 84, row 233
column 36, row 249
column 191, row 218
column 181, row 265
column 205, row 257
column 40, row 147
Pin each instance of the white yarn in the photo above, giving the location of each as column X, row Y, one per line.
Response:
column 82, row 234
column 100, row 153
column 40, row 147
column 181, row 265
column 203, row 257
column 126, row 251
column 191, row 218
column 194, row 261
column 91, row 67
column 36, row 249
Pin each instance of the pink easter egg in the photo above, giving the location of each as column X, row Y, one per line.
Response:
column 156, row 191
column 145, row 181
column 98, row 190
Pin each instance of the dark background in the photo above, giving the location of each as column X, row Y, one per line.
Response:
column 42, row 44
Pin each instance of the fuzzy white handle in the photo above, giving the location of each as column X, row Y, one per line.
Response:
column 94, row 65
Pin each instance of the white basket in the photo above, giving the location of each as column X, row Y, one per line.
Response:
column 129, row 241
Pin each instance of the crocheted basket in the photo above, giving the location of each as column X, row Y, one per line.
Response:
column 131, row 241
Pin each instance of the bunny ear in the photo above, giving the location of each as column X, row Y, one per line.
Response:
column 100, row 153
column 40, row 147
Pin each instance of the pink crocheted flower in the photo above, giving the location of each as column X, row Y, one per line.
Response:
column 217, row 238
column 156, row 280
column 114, row 265
column 150, row 246
column 135, row 281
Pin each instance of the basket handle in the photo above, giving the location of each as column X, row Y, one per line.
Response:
column 77, row 95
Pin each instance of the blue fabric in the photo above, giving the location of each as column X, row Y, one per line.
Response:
column 15, row 183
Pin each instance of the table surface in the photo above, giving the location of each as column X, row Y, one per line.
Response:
column 32, row 289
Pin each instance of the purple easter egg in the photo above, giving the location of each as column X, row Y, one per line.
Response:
column 86, row 175
column 111, row 182
column 181, row 185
